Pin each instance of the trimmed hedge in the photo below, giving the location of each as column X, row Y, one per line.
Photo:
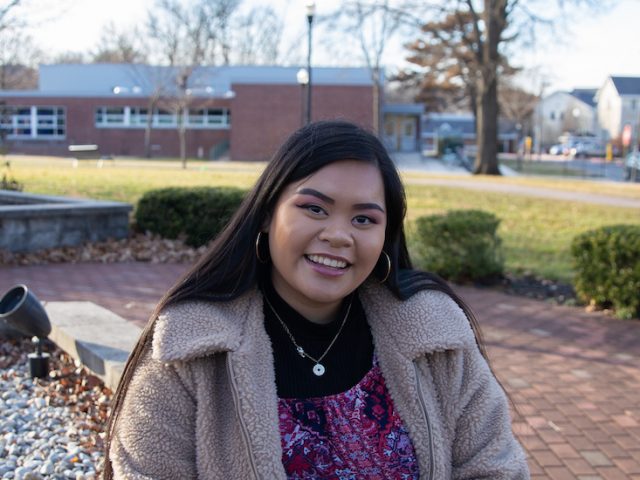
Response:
column 607, row 266
column 461, row 245
column 198, row 213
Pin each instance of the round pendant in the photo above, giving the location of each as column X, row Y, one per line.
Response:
column 318, row 370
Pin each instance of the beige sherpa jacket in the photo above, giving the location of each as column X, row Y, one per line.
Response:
column 203, row 403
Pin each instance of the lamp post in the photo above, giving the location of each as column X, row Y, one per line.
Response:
column 311, row 10
column 303, row 80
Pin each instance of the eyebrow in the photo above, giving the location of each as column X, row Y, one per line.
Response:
column 325, row 198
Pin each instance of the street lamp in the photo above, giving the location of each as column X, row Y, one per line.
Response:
column 311, row 10
column 21, row 310
column 303, row 79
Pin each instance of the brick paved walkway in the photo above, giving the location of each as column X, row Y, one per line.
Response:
column 574, row 376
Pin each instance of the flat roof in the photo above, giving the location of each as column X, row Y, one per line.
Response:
column 135, row 80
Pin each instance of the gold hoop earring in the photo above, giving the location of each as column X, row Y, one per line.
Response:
column 388, row 267
column 258, row 249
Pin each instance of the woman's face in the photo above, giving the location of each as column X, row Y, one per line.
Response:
column 326, row 235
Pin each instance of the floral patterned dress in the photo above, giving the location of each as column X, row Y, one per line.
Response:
column 355, row 434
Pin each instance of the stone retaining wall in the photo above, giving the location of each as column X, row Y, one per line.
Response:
column 35, row 222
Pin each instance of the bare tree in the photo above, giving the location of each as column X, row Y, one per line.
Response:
column 186, row 36
column 70, row 57
column 191, row 34
column 18, row 53
column 5, row 121
column 517, row 105
column 373, row 24
column 8, row 18
column 256, row 37
column 18, row 57
column 156, row 82
column 117, row 46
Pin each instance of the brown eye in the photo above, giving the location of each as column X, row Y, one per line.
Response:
column 314, row 209
column 363, row 220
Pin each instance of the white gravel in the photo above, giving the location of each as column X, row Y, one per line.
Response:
column 49, row 428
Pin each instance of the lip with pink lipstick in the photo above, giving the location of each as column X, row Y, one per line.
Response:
column 327, row 264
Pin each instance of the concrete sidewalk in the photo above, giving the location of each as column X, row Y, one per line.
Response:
column 574, row 376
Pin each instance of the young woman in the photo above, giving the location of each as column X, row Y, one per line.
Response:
column 303, row 345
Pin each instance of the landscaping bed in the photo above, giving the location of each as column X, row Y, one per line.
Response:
column 51, row 427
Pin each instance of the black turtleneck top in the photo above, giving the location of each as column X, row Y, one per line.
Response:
column 346, row 363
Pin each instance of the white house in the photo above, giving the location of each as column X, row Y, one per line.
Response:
column 619, row 105
column 566, row 112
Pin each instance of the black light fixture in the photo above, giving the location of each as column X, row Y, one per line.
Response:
column 21, row 310
column 311, row 10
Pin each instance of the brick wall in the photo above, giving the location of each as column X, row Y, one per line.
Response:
column 81, row 129
column 262, row 116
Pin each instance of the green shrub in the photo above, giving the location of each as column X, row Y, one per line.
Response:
column 607, row 268
column 197, row 213
column 461, row 245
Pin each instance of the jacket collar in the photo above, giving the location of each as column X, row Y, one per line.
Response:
column 427, row 322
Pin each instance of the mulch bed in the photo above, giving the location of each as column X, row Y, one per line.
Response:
column 137, row 248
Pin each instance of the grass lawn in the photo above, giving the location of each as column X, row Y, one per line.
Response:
column 536, row 232
column 124, row 180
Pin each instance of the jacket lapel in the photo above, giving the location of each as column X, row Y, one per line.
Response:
column 196, row 329
column 404, row 334
column 254, row 376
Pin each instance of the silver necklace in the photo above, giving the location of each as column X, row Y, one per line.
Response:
column 318, row 368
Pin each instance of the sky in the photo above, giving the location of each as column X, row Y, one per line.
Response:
column 582, row 52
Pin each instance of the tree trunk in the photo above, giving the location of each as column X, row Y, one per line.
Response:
column 147, row 135
column 487, row 130
column 182, row 133
column 487, row 100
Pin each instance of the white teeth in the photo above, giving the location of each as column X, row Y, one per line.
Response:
column 329, row 262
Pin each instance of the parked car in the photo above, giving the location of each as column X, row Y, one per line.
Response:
column 632, row 166
column 558, row 149
column 587, row 149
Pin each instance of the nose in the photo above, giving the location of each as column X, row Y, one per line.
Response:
column 336, row 234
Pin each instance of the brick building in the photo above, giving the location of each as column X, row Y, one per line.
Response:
column 242, row 112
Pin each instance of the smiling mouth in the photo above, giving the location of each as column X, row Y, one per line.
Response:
column 327, row 262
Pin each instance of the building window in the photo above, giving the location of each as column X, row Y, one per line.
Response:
column 136, row 117
column 209, row 118
column 633, row 104
column 34, row 122
column 110, row 116
column 552, row 116
column 50, row 122
column 164, row 118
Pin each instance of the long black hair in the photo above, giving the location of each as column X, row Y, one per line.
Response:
column 230, row 267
